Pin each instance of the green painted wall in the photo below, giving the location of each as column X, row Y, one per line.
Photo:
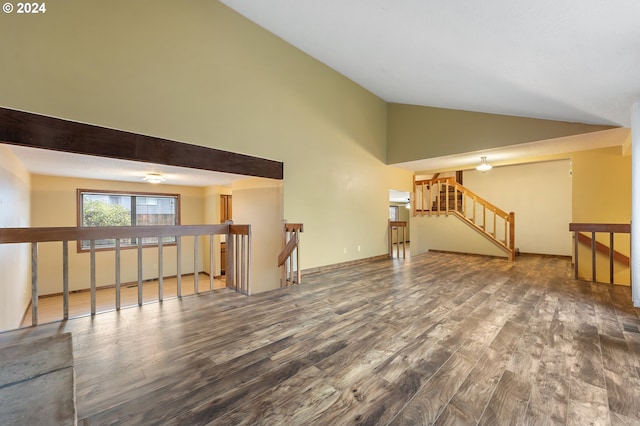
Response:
column 417, row 132
column 198, row 72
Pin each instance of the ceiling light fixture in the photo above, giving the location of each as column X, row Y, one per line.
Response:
column 484, row 166
column 154, row 178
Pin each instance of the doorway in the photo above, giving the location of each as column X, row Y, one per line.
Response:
column 399, row 211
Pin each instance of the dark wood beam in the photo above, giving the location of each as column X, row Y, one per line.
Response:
column 38, row 131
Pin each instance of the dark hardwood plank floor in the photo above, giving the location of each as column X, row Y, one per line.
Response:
column 435, row 339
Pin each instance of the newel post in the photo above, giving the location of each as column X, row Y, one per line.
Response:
column 512, row 234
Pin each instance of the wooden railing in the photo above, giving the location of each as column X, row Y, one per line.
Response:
column 400, row 229
column 289, row 257
column 238, row 255
column 444, row 196
column 238, row 238
column 579, row 230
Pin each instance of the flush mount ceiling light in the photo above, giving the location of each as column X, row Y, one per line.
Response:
column 154, row 178
column 484, row 166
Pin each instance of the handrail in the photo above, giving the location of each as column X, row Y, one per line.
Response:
column 290, row 264
column 428, row 194
column 596, row 246
column 238, row 261
column 485, row 203
column 287, row 250
column 70, row 233
column 618, row 228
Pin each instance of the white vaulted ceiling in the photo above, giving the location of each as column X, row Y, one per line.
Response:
column 569, row 60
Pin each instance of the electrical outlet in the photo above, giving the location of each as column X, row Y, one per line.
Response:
column 345, row 250
column 358, row 247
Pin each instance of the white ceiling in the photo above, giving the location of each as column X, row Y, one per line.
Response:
column 569, row 60
column 54, row 163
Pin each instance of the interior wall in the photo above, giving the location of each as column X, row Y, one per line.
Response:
column 200, row 73
column 419, row 132
column 540, row 195
column 602, row 194
column 53, row 203
column 601, row 186
column 259, row 202
column 15, row 286
column 449, row 233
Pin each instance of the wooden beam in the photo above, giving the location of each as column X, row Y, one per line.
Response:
column 38, row 131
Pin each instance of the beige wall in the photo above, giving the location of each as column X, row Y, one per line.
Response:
column 15, row 287
column 198, row 72
column 53, row 203
column 259, row 202
column 418, row 132
column 538, row 193
column 449, row 233
column 540, row 196
column 602, row 194
column 599, row 192
column 602, row 186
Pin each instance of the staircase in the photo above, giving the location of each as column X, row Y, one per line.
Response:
column 448, row 198
column 444, row 196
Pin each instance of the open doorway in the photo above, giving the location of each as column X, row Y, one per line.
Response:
column 399, row 213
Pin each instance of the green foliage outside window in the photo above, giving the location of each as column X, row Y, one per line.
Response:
column 101, row 209
column 99, row 213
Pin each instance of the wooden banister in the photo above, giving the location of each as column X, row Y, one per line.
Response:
column 464, row 203
column 238, row 236
column 598, row 247
column 289, row 257
column 50, row 234
column 288, row 250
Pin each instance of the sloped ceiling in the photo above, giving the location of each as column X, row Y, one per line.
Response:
column 570, row 60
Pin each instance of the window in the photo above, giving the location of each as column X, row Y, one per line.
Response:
column 103, row 208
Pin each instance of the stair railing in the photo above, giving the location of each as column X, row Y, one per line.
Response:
column 445, row 196
column 591, row 229
column 238, row 236
column 238, row 257
column 289, row 257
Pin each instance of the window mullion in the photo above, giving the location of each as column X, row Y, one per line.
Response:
column 134, row 215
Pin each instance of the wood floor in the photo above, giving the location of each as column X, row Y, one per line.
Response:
column 435, row 339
